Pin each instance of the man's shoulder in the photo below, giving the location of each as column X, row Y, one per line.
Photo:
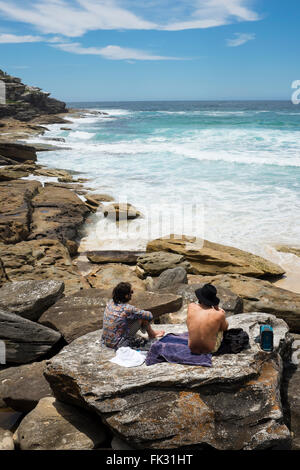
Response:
column 220, row 313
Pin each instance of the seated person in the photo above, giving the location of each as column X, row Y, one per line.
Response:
column 121, row 320
column 206, row 321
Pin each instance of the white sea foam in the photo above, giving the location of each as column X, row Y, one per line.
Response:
column 227, row 170
column 81, row 135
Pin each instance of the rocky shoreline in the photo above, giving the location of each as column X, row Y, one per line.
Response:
column 57, row 380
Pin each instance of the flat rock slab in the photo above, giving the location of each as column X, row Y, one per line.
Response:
column 101, row 257
column 9, row 173
column 78, row 314
column 57, row 214
column 22, row 387
column 30, row 299
column 41, row 259
column 18, row 152
column 57, row 426
column 233, row 405
column 16, row 209
column 261, row 296
column 209, row 258
column 109, row 275
column 157, row 303
column 25, row 341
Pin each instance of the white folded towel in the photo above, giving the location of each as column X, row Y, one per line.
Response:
column 128, row 357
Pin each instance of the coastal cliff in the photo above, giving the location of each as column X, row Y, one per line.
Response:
column 25, row 102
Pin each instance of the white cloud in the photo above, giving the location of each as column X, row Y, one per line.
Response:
column 15, row 39
column 111, row 52
column 241, row 38
column 73, row 18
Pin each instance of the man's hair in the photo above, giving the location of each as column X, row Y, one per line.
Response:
column 120, row 292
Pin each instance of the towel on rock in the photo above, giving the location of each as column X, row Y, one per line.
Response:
column 174, row 348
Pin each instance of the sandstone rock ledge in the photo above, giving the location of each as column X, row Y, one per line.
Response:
column 235, row 404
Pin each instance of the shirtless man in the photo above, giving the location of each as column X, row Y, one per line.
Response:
column 206, row 321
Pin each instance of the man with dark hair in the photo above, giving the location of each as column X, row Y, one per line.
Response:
column 121, row 321
column 206, row 322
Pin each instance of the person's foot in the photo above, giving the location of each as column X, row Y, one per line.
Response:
column 156, row 334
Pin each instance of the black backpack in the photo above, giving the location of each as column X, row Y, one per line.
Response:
column 234, row 341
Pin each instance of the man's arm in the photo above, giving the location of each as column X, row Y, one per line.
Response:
column 135, row 313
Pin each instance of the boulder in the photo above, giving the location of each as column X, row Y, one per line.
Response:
column 109, row 275
column 100, row 197
column 6, row 440
column 56, row 426
column 233, row 405
column 77, row 314
column 18, row 152
column 171, row 277
column 25, row 341
column 209, row 258
column 82, row 312
column 261, row 296
column 30, row 299
column 153, row 264
column 57, row 214
column 121, row 211
column 102, row 257
column 39, row 260
column 156, row 302
column 22, row 387
column 16, row 209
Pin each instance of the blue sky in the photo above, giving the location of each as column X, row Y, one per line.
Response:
column 110, row 50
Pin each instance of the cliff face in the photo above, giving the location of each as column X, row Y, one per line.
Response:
column 24, row 102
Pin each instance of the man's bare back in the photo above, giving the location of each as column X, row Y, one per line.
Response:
column 204, row 323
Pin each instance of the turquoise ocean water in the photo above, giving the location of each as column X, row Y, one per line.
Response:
column 238, row 161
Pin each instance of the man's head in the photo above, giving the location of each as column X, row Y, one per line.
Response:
column 207, row 295
column 122, row 293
